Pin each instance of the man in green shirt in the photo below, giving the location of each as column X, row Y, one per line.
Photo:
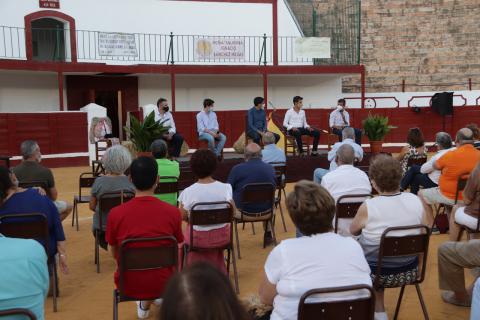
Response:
column 166, row 168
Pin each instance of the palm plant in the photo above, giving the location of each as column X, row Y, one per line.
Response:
column 142, row 134
column 376, row 127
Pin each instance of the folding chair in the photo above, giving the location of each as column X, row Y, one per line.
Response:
column 348, row 209
column 362, row 308
column 106, row 202
column 445, row 208
column 143, row 255
column 97, row 168
column 34, row 184
column 405, row 246
column 166, row 187
column 18, row 312
column 31, row 226
column 85, row 180
column 290, row 144
column 256, row 193
column 208, row 213
column 468, row 230
column 101, row 146
column 281, row 176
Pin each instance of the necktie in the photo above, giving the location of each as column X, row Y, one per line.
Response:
column 343, row 118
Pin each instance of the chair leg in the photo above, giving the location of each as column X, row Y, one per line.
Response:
column 235, row 272
column 97, row 253
column 73, row 212
column 422, row 303
column 228, row 262
column 54, row 285
column 273, row 232
column 253, row 228
column 115, row 305
column 76, row 218
column 243, row 226
column 283, row 219
column 399, row 302
column 460, row 234
column 238, row 241
column 185, row 255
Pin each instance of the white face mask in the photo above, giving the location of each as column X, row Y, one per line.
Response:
column 209, row 109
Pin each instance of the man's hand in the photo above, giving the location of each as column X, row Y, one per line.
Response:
column 294, row 129
column 63, row 263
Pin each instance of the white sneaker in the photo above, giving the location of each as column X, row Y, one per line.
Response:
column 142, row 313
column 158, row 302
column 381, row 316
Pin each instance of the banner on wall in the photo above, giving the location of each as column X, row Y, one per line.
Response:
column 117, row 44
column 312, row 47
column 50, row 4
column 218, row 48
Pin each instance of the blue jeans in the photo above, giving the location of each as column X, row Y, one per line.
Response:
column 475, row 312
column 211, row 142
column 318, row 175
column 414, row 179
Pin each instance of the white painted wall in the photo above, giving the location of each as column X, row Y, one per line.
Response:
column 29, row 92
column 152, row 87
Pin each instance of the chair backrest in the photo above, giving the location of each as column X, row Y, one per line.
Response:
column 110, row 200
column 345, row 209
column 101, row 145
column 97, row 168
column 146, row 254
column 416, row 161
column 85, row 180
column 165, row 187
column 361, row 308
column 415, row 244
column 34, row 183
column 277, row 120
column 18, row 312
column 280, row 173
column 25, row 226
column 461, row 184
column 258, row 193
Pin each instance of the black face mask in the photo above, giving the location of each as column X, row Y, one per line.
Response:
column 166, row 108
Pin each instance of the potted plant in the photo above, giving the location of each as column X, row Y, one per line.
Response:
column 142, row 134
column 376, row 128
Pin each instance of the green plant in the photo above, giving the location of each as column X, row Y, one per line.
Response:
column 142, row 134
column 376, row 127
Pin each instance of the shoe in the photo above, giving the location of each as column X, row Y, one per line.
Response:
column 449, row 297
column 380, row 316
column 435, row 230
column 314, row 153
column 158, row 302
column 142, row 313
column 267, row 238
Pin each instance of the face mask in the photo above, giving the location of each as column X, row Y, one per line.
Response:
column 166, row 108
column 340, row 108
column 209, row 109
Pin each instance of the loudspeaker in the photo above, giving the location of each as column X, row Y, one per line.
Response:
column 442, row 103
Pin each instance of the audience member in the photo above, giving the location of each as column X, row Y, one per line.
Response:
column 253, row 170
column 414, row 149
column 272, row 153
column 340, row 119
column 476, row 134
column 143, row 217
column 348, row 135
column 203, row 164
column 391, row 208
column 467, row 213
column 208, row 128
column 426, row 176
column 346, row 180
column 16, row 200
column 475, row 312
column 116, row 160
column 201, row 292
column 166, row 168
column 257, row 122
column 295, row 122
column 321, row 259
column 453, row 164
column 163, row 115
column 24, row 276
column 31, row 170
column 453, row 258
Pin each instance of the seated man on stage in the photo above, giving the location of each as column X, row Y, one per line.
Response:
column 257, row 121
column 296, row 123
column 339, row 119
column 172, row 137
column 208, row 128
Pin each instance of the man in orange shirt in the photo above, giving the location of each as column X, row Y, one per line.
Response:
column 453, row 164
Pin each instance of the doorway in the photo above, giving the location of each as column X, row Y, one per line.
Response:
column 109, row 100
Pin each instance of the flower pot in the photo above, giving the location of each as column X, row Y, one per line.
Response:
column 376, row 147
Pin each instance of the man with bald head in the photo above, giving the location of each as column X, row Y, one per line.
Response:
column 253, row 170
column 453, row 165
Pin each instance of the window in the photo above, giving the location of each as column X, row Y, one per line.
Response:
column 48, row 40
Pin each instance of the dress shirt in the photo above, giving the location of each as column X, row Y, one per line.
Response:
column 332, row 153
column 336, row 119
column 166, row 119
column 427, row 167
column 257, row 120
column 346, row 179
column 272, row 153
column 295, row 119
column 207, row 120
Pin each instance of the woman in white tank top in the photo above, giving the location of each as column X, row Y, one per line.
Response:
column 391, row 208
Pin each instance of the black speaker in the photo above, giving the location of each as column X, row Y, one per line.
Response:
column 442, row 103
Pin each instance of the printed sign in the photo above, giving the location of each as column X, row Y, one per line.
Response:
column 309, row 48
column 218, row 48
column 51, row 4
column 116, row 44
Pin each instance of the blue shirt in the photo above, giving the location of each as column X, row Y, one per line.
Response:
column 257, row 120
column 333, row 153
column 24, row 277
column 31, row 201
column 272, row 153
column 252, row 171
column 207, row 120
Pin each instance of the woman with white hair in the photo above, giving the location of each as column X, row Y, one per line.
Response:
column 116, row 161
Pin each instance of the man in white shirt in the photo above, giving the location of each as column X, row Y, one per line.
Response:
column 340, row 119
column 346, row 180
column 427, row 176
column 296, row 124
column 348, row 135
column 163, row 115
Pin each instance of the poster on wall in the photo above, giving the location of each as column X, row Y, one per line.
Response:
column 100, row 128
column 220, row 48
column 51, row 4
column 117, row 44
column 312, row 47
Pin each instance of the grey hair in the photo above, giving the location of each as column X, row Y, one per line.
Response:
column 348, row 133
column 159, row 149
column 28, row 148
column 443, row 140
column 464, row 136
column 346, row 154
column 253, row 151
column 116, row 159
column 268, row 138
